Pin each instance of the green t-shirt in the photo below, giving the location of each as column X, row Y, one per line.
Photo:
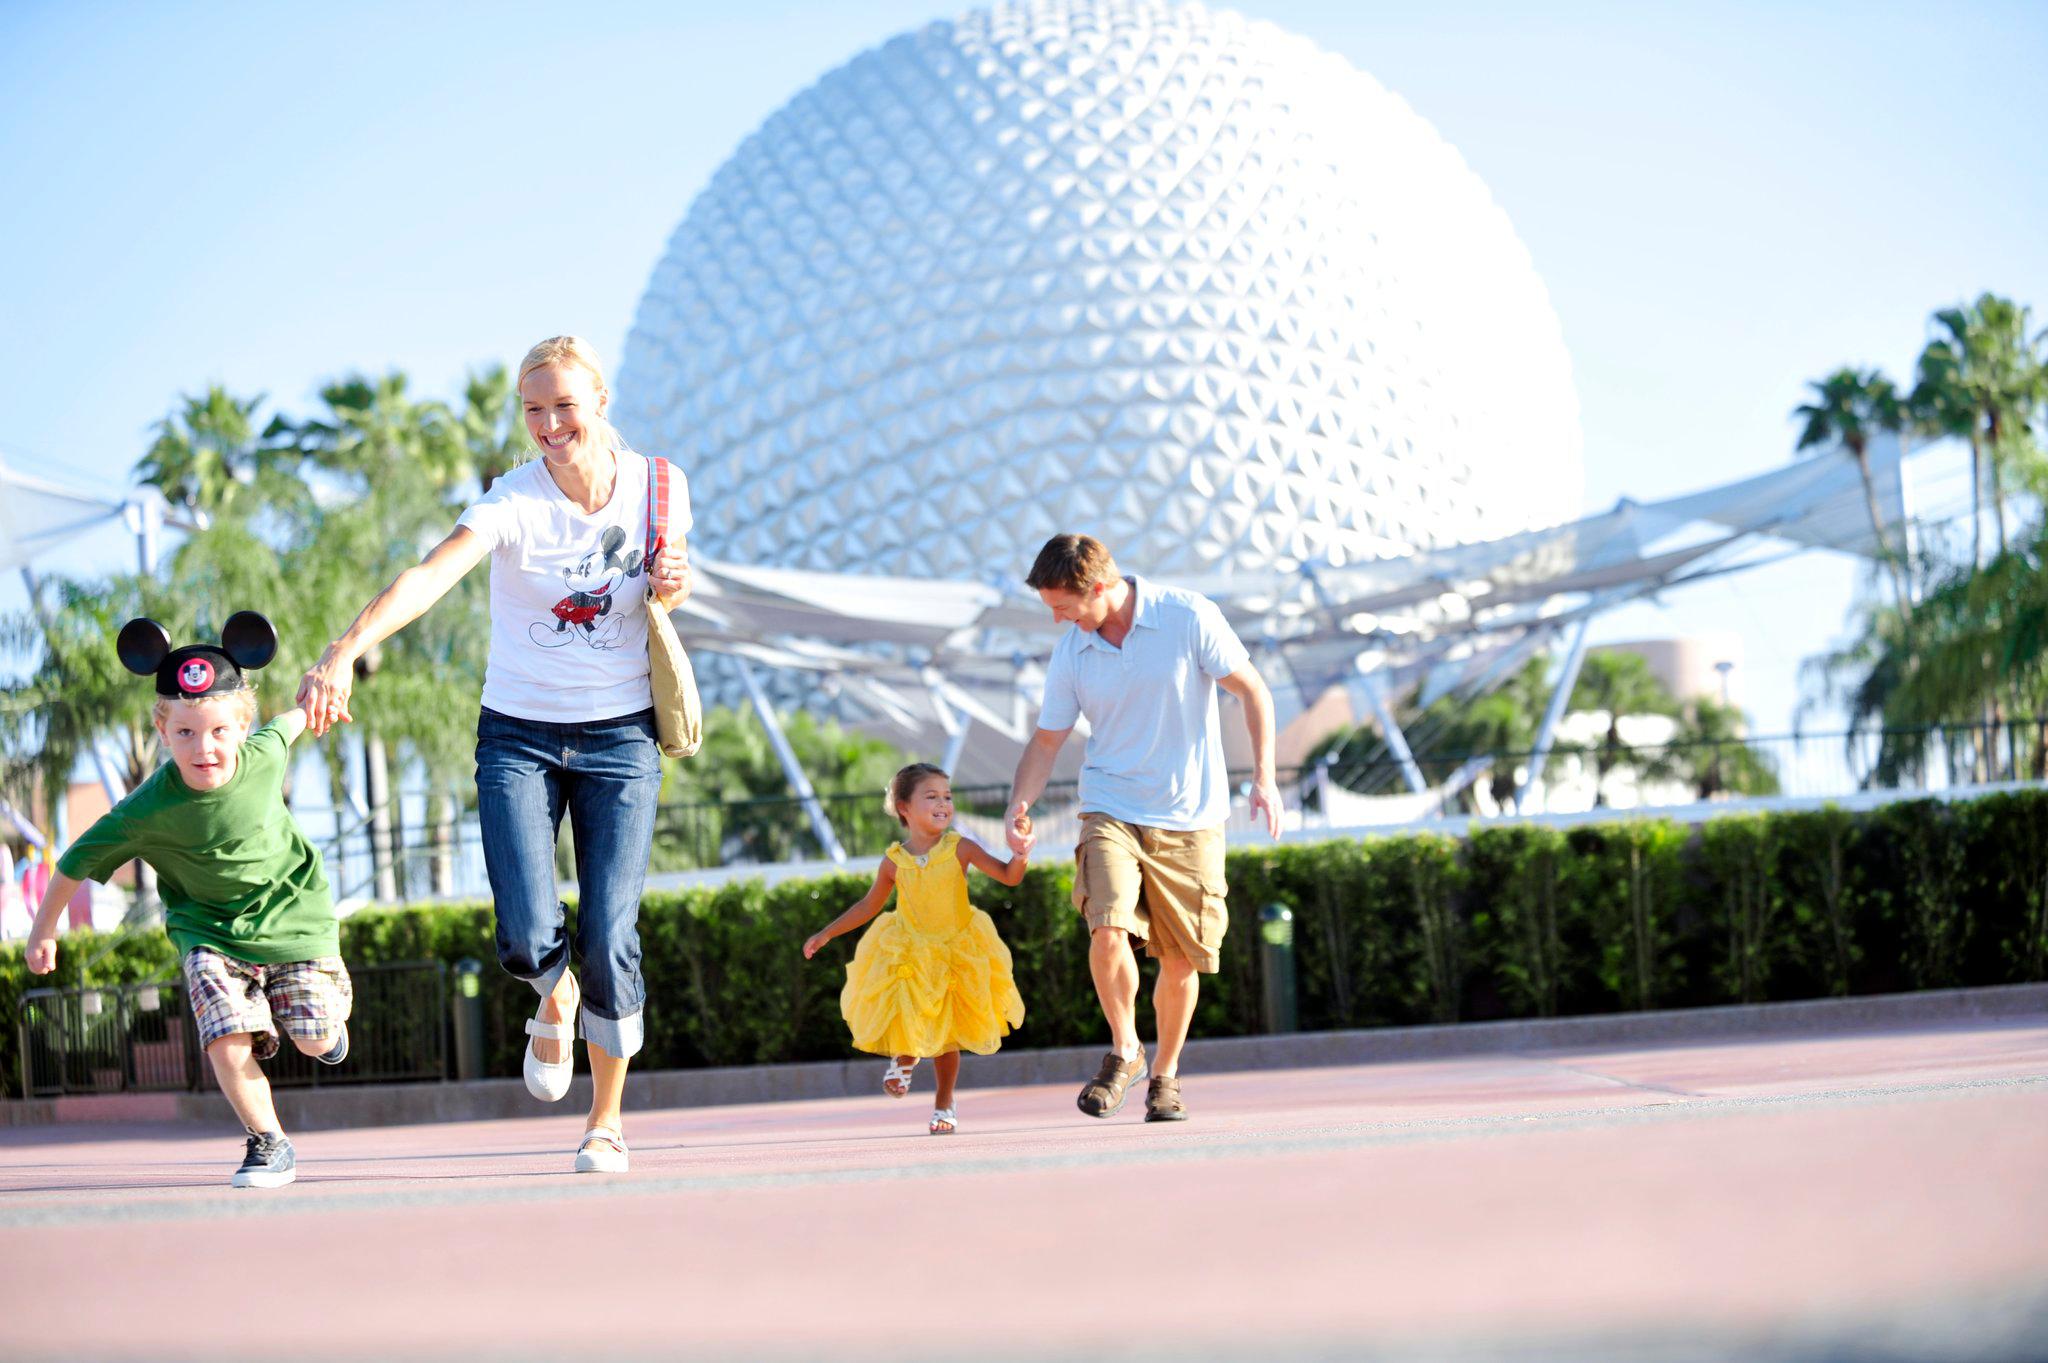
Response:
column 235, row 870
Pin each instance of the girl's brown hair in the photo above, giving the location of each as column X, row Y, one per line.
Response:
column 904, row 784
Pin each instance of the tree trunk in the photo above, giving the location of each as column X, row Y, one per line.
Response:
column 441, row 815
column 401, row 869
column 1997, row 483
column 148, row 907
column 1976, row 499
column 1884, row 544
column 377, row 795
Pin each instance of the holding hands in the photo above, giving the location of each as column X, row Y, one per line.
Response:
column 1018, row 829
column 324, row 691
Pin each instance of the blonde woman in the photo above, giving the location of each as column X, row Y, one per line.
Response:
column 567, row 724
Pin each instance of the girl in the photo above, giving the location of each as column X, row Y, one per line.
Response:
column 931, row 978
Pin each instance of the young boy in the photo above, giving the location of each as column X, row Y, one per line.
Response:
column 245, row 897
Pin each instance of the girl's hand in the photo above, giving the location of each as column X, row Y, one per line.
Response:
column 42, row 955
column 324, row 691
column 813, row 942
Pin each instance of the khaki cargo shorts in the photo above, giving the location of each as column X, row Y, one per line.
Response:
column 1163, row 886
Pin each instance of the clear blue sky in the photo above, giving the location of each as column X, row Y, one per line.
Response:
column 1725, row 201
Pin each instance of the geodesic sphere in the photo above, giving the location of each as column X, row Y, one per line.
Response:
column 1145, row 270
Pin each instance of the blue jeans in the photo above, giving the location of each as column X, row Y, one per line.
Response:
column 605, row 775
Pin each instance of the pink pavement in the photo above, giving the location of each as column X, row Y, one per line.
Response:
column 1757, row 1198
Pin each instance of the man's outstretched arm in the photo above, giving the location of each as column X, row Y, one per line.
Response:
column 1033, row 770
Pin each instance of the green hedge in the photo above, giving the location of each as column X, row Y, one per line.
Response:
column 1508, row 922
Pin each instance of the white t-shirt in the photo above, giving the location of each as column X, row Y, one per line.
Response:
column 569, row 593
column 1155, row 743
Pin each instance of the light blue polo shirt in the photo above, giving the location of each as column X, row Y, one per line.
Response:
column 1155, row 747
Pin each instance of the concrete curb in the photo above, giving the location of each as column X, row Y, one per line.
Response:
column 307, row 1109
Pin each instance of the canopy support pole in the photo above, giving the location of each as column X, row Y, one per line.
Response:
column 821, row 826
column 1367, row 686
column 1546, row 734
column 956, row 723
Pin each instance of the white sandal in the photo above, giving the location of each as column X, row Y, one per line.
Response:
column 599, row 1159
column 943, row 1122
column 898, row 1074
column 545, row 1081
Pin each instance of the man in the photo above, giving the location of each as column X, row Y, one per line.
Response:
column 1143, row 663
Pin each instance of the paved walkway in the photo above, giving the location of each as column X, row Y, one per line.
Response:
column 1872, row 1194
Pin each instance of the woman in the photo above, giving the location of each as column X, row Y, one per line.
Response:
column 567, row 722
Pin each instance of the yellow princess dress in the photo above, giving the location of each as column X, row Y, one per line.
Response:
column 931, row 975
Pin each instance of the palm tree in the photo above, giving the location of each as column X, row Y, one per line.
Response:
column 1620, row 684
column 1979, row 651
column 78, row 700
column 1982, row 378
column 493, row 433
column 373, row 427
column 738, row 771
column 207, row 456
column 1501, row 723
column 1714, row 752
column 395, row 465
column 1849, row 405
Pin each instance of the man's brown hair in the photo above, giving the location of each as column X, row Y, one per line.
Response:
column 1071, row 563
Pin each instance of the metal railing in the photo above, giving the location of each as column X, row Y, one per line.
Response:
column 1596, row 773
column 1368, row 785
column 137, row 1038
column 1363, row 784
column 776, row 830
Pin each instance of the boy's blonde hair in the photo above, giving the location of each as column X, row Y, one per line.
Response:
column 573, row 352
column 244, row 702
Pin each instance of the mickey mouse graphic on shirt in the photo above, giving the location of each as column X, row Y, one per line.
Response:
column 591, row 580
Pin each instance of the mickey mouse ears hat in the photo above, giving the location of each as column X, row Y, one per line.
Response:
column 197, row 670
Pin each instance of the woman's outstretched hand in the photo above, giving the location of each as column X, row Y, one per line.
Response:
column 324, row 692
column 813, row 942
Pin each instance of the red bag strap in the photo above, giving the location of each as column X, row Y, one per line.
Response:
column 657, row 507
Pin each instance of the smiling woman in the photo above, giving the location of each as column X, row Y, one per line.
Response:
column 575, row 538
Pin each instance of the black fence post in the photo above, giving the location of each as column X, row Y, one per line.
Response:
column 467, row 999
column 1276, row 968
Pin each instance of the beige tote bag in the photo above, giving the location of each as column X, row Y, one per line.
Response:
column 678, row 713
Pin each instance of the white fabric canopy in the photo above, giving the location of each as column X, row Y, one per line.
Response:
column 1454, row 620
column 38, row 516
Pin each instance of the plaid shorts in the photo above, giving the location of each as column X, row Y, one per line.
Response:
column 305, row 1000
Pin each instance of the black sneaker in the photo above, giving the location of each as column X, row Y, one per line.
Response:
column 268, row 1162
column 338, row 1052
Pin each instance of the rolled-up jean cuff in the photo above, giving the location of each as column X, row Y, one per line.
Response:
column 545, row 982
column 620, row 1037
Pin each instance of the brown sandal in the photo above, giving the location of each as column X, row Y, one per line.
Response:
column 1103, row 1095
column 1162, row 1101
